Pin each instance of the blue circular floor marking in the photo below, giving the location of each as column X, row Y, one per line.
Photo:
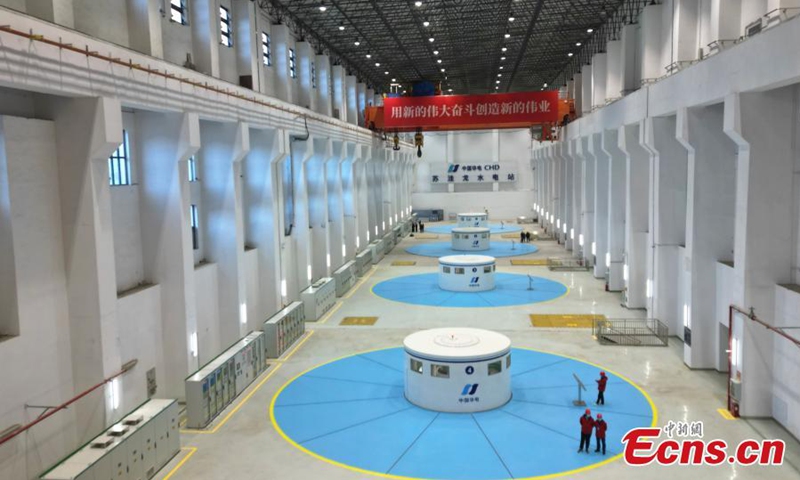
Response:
column 352, row 412
column 510, row 289
column 496, row 249
column 494, row 228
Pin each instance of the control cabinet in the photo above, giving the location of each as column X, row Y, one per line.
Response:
column 345, row 278
column 216, row 384
column 399, row 233
column 388, row 242
column 319, row 298
column 284, row 328
column 376, row 248
column 363, row 262
column 135, row 448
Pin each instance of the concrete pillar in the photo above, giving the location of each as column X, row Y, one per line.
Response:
column 338, row 248
column 316, row 194
column 629, row 73
column 685, row 39
column 577, row 92
column 599, row 78
column 339, row 99
column 668, row 171
column 352, row 99
column 586, row 100
column 361, row 93
column 204, row 22
column 370, row 99
column 614, row 259
column 586, row 217
column 306, row 73
column 573, row 175
column 364, row 156
column 764, row 127
column 299, row 259
column 637, row 190
column 59, row 12
column 223, row 148
column 167, row 141
column 350, row 209
column 247, row 42
column 144, row 27
column 268, row 150
column 324, row 85
column 595, row 248
column 651, row 44
column 710, row 225
column 88, row 130
column 286, row 87
column 614, row 70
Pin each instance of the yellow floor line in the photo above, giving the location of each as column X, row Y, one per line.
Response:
column 330, row 313
column 353, row 290
column 726, row 414
column 192, row 451
column 253, row 391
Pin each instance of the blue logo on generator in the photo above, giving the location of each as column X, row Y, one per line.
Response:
column 474, row 281
column 470, row 389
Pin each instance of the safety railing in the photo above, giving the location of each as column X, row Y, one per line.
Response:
column 631, row 332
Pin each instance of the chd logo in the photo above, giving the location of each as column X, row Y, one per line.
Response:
column 452, row 168
column 469, row 389
column 474, row 281
column 476, row 243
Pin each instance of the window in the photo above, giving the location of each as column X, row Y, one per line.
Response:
column 508, row 362
column 416, row 366
column 192, row 169
column 195, row 227
column 459, row 271
column 226, row 33
column 440, row 371
column 119, row 163
column 495, row 367
column 292, row 64
column 487, row 269
column 446, row 269
column 266, row 48
column 313, row 75
column 178, row 12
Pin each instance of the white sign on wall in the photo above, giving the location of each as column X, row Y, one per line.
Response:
column 473, row 173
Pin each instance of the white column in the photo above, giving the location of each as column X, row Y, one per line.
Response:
column 339, row 100
column 595, row 248
column 361, row 95
column 636, row 220
column 247, row 42
column 352, row 99
column 599, row 78
column 629, row 73
column 614, row 70
column 316, row 192
column 324, row 86
column 307, row 95
column 204, row 22
column 144, row 27
column 651, row 44
column 337, row 247
column 616, row 208
column 224, row 145
column 59, row 12
column 586, row 100
column 286, row 87
column 577, row 92
column 88, row 130
column 167, row 141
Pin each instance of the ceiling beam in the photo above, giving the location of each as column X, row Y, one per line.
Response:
column 524, row 46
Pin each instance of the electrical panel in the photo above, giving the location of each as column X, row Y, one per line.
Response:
column 376, row 248
column 217, row 383
column 363, row 262
column 399, row 233
column 284, row 328
column 345, row 278
column 135, row 448
column 319, row 298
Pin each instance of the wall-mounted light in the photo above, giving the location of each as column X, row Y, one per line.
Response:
column 649, row 288
column 328, row 259
column 608, row 260
column 115, row 394
column 686, row 316
column 308, row 271
column 625, row 272
column 358, row 241
column 243, row 313
column 594, row 248
column 283, row 288
column 193, row 344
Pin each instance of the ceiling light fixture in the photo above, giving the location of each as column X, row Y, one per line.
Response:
column 498, row 81
column 436, row 52
column 507, row 35
column 569, row 54
column 578, row 44
column 499, row 74
column 386, row 73
column 377, row 64
column 589, row 30
column 394, row 80
column 439, row 61
column 511, row 16
column 443, row 70
column 341, row 28
column 501, row 67
column 504, row 49
column 417, row 4
column 426, row 23
column 450, row 90
column 322, row 7
column 430, row 39
column 357, row 42
column 502, row 59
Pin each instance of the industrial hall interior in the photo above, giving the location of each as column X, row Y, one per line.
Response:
column 404, row 239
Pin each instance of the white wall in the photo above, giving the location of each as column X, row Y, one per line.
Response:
column 786, row 361
column 207, row 285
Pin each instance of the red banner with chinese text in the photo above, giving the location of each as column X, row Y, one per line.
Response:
column 499, row 110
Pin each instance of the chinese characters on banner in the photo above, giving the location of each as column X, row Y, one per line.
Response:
column 444, row 173
column 492, row 111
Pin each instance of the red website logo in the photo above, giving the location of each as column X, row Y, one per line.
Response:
column 642, row 447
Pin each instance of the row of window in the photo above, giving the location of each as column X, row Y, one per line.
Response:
column 179, row 14
column 119, row 164
column 466, row 236
column 443, row 371
column 460, row 270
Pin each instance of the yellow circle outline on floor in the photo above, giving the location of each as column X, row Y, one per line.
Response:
column 387, row 475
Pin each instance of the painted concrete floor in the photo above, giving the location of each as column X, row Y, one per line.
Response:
column 243, row 444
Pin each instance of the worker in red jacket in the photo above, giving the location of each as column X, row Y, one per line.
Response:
column 600, row 427
column 587, row 424
column 601, row 388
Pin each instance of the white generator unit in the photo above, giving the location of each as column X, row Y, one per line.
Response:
column 466, row 273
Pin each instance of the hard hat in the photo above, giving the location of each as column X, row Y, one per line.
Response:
column 588, row 412
column 602, row 374
column 599, row 415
